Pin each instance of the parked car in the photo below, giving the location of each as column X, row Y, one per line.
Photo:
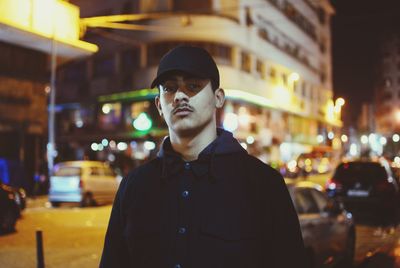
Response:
column 367, row 189
column 19, row 193
column 9, row 209
column 328, row 229
column 85, row 182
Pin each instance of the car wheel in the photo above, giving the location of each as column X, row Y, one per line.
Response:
column 8, row 223
column 87, row 200
column 55, row 204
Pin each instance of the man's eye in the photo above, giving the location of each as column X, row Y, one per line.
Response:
column 169, row 88
column 193, row 86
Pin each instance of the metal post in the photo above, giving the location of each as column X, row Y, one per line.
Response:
column 51, row 148
column 39, row 249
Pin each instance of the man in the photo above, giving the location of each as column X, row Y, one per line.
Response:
column 203, row 202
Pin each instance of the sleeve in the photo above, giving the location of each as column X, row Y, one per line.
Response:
column 115, row 252
column 285, row 234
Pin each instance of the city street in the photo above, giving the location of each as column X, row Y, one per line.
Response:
column 73, row 237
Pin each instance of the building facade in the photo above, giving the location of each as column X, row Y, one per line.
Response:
column 27, row 33
column 387, row 94
column 275, row 63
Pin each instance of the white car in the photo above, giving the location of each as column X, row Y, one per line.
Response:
column 85, row 182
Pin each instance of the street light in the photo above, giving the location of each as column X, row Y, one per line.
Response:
column 396, row 137
column 339, row 102
column 364, row 139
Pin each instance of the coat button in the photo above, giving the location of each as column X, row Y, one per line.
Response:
column 182, row 230
column 187, row 165
column 185, row 194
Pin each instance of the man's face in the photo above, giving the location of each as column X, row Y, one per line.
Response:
column 188, row 104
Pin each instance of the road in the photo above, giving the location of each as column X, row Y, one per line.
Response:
column 73, row 237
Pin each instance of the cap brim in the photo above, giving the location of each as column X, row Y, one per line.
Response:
column 162, row 76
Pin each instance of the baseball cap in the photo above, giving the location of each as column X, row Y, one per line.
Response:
column 188, row 59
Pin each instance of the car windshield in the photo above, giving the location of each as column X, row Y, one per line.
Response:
column 360, row 171
column 67, row 171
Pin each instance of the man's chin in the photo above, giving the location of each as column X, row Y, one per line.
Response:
column 184, row 130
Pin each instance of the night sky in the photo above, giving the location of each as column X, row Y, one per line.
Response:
column 357, row 28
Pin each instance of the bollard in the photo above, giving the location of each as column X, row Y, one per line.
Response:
column 39, row 249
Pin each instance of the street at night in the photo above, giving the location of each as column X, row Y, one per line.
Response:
column 73, row 237
column 194, row 116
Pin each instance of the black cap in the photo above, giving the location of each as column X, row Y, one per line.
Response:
column 192, row 60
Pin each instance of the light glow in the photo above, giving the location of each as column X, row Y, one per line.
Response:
column 244, row 145
column 94, row 146
column 149, row 145
column 353, row 149
column 122, row 146
column 46, row 19
column 231, row 122
column 142, row 122
column 344, row 138
column 382, row 140
column 250, row 139
column 104, row 142
column 339, row 102
column 364, row 139
column 396, row 137
column 106, row 108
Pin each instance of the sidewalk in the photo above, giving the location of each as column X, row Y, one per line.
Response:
column 37, row 202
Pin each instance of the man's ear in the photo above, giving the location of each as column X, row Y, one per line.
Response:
column 158, row 105
column 219, row 97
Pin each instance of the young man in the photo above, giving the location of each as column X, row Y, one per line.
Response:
column 203, row 202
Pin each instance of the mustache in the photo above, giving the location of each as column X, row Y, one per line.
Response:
column 183, row 106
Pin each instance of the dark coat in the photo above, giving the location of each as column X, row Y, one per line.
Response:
column 236, row 212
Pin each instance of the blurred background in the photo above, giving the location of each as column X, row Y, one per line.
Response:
column 312, row 87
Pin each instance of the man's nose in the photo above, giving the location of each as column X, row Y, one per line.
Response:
column 181, row 95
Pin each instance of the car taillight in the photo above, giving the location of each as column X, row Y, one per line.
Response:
column 332, row 185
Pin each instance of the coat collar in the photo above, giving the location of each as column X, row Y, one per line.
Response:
column 173, row 164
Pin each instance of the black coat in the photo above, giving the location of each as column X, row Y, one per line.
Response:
column 225, row 210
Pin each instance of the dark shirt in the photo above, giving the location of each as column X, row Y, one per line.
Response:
column 225, row 209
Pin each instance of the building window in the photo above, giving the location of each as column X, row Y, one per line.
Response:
column 272, row 73
column 304, row 89
column 75, row 72
column 103, row 66
column 322, row 16
column 387, row 96
column 263, row 33
column 260, row 66
column 130, row 60
column 221, row 53
column 246, row 62
column 284, row 79
column 110, row 116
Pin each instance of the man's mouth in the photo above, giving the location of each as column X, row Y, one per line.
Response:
column 182, row 111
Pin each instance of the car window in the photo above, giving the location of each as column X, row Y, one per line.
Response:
column 366, row 172
column 109, row 172
column 67, row 171
column 95, row 171
column 304, row 202
column 320, row 198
